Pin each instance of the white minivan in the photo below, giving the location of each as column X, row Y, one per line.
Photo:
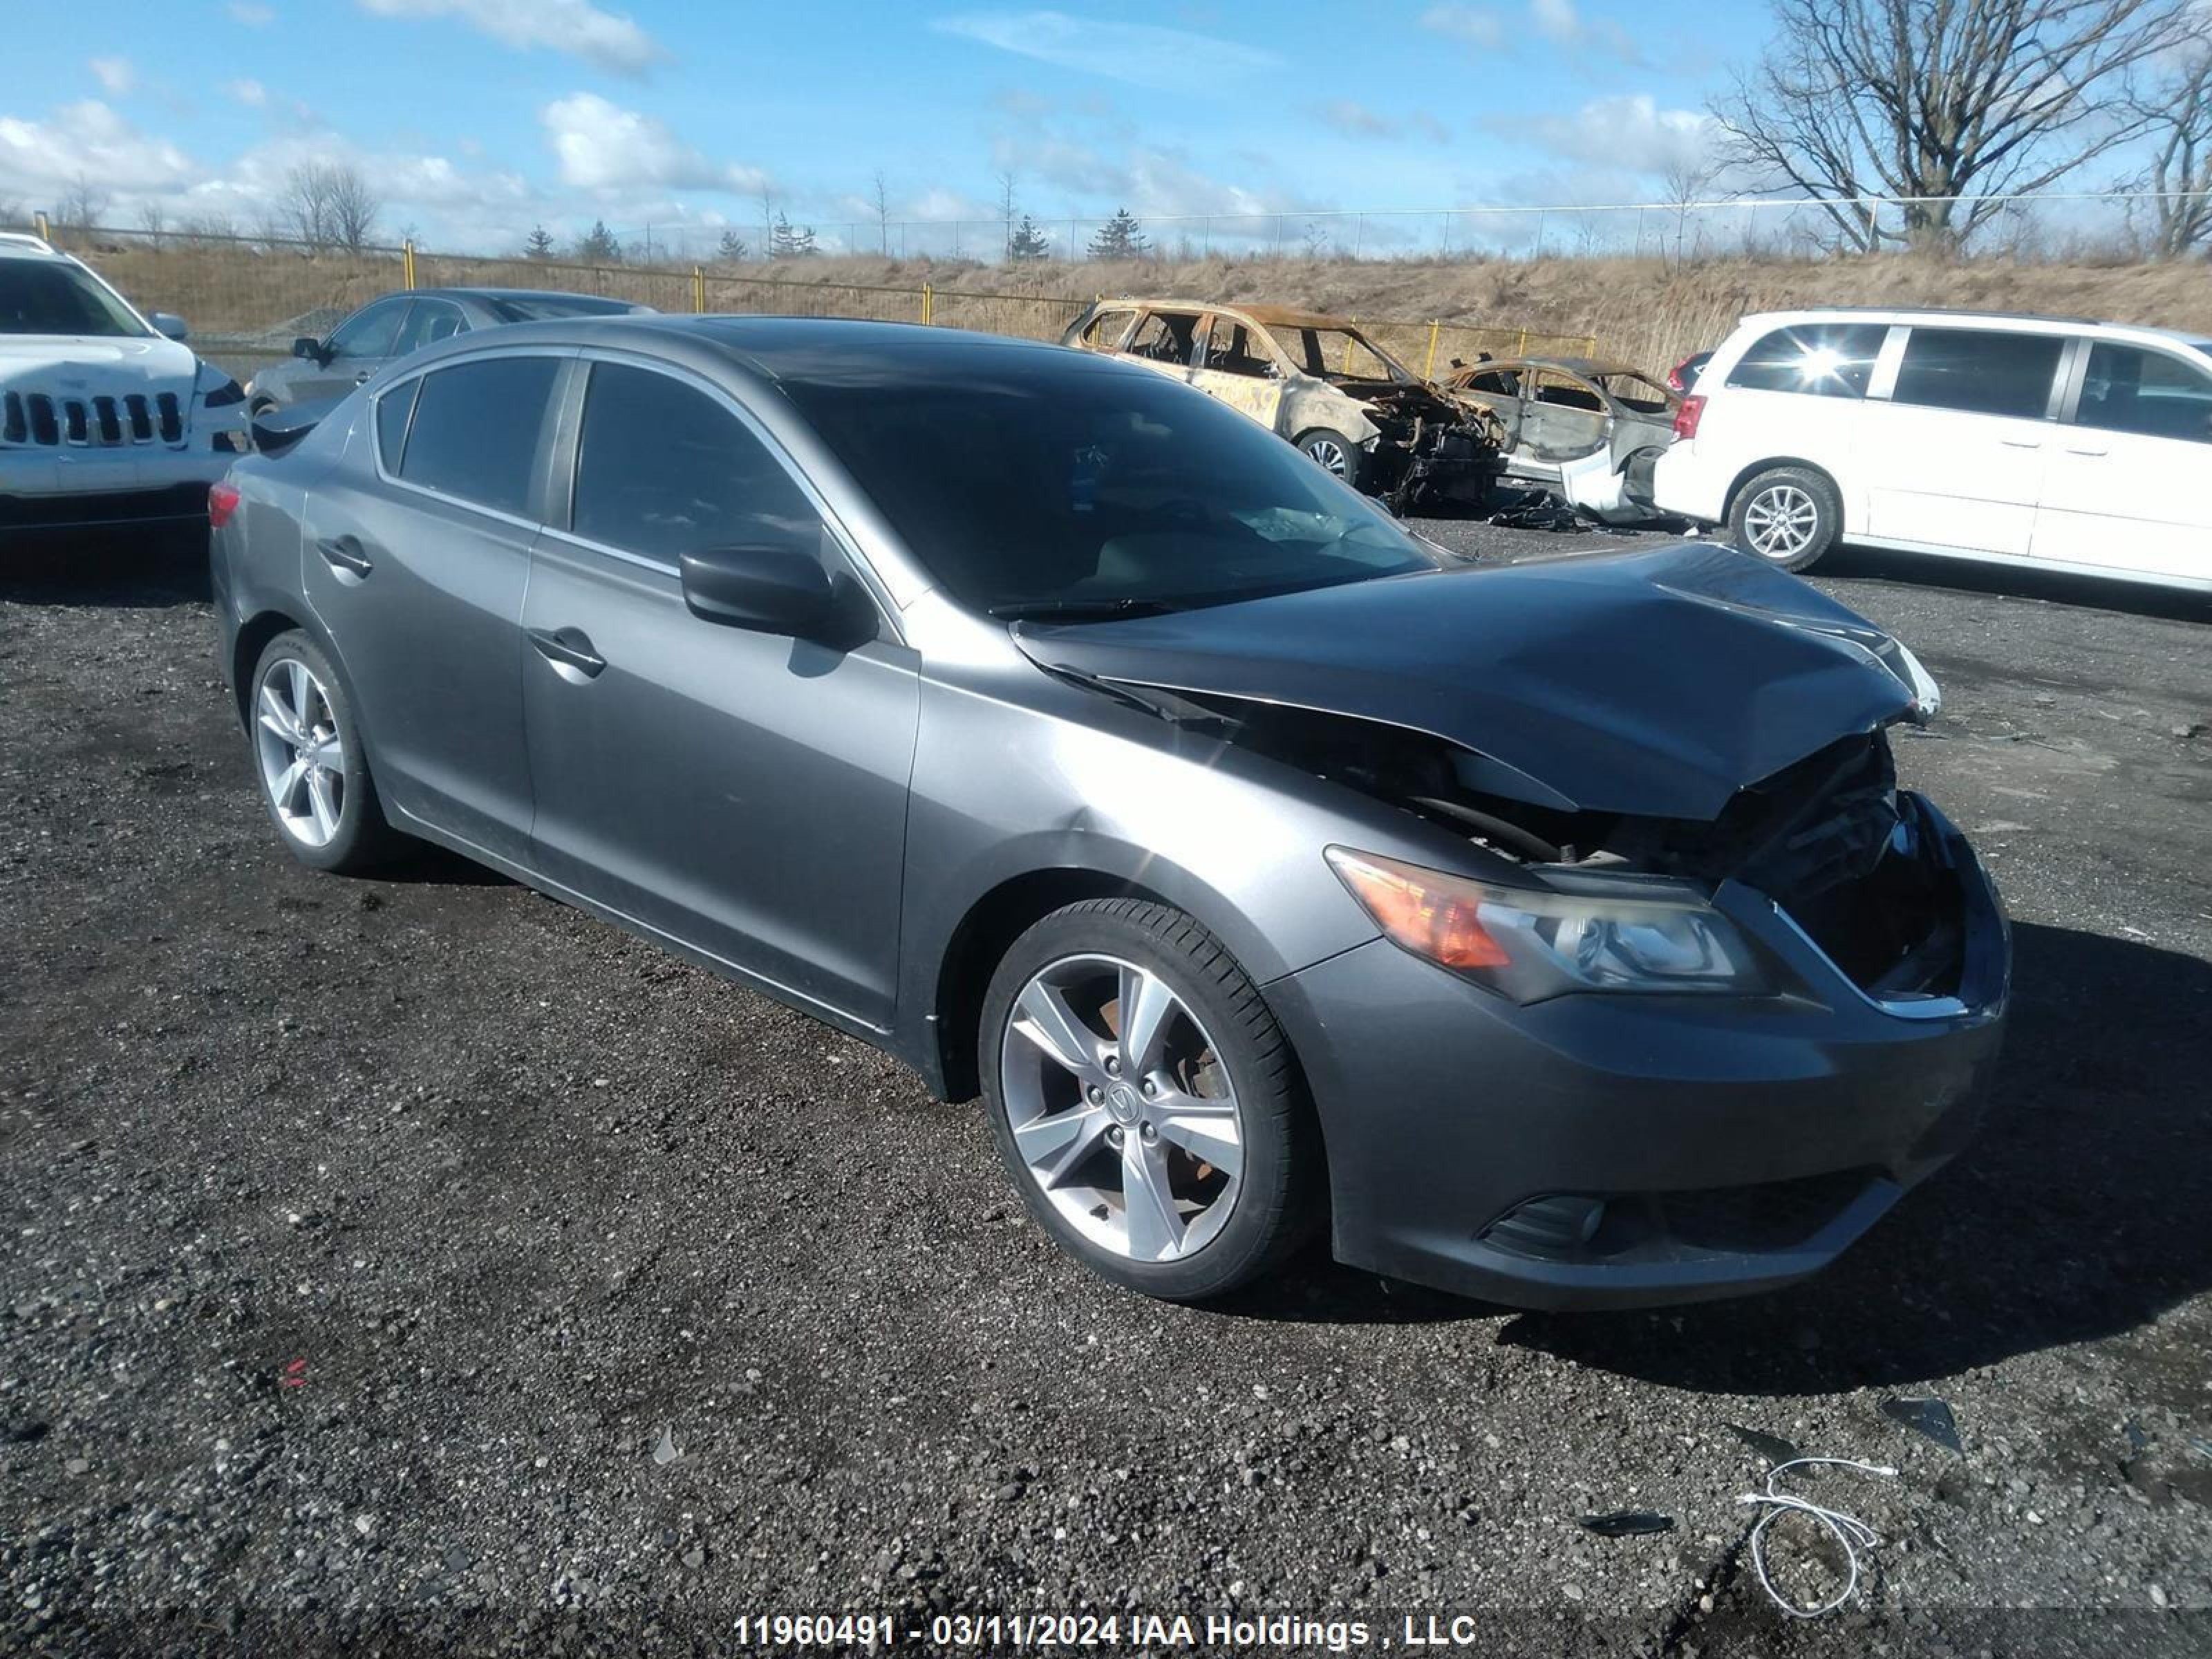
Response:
column 2050, row 441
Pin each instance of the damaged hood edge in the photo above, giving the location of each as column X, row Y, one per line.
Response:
column 1657, row 684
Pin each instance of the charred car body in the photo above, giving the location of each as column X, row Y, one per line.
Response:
column 1588, row 430
column 1318, row 382
column 1557, row 930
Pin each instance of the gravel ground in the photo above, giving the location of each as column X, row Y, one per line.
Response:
column 417, row 1264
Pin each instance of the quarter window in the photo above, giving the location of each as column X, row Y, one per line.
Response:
column 2127, row 389
column 392, row 410
column 1106, row 330
column 1980, row 371
column 663, row 469
column 474, row 431
column 1823, row 360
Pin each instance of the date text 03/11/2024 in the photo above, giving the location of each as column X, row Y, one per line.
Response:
column 993, row 1632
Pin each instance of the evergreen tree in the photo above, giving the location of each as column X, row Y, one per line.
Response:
column 1120, row 238
column 597, row 246
column 1028, row 244
column 790, row 241
column 732, row 246
column 538, row 245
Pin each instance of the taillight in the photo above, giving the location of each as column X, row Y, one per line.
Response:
column 1675, row 378
column 223, row 502
column 1687, row 416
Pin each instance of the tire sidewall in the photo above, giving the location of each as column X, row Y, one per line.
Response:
column 1827, row 504
column 1267, row 1109
column 360, row 822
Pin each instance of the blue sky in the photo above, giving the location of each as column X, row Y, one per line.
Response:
column 477, row 118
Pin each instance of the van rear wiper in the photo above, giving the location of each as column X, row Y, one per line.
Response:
column 1078, row 611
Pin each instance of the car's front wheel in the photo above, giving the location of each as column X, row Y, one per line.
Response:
column 1787, row 516
column 1334, row 452
column 308, row 756
column 1146, row 1101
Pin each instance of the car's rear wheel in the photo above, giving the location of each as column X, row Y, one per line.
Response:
column 1334, row 452
column 1787, row 516
column 1146, row 1101
column 309, row 755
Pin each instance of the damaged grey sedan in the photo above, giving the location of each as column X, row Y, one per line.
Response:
column 1557, row 933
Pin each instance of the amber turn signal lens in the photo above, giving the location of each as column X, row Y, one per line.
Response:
column 1428, row 913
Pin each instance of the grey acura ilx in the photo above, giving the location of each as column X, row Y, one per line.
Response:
column 1555, row 933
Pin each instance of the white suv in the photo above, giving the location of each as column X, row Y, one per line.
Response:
column 2050, row 441
column 105, row 417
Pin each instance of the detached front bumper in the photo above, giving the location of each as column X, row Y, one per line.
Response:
column 1599, row 1152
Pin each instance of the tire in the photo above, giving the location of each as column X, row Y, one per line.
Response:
column 1787, row 516
column 1334, row 452
column 328, row 816
column 1215, row 1034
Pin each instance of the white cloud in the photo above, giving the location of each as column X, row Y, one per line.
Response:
column 86, row 140
column 606, row 39
column 1356, row 120
column 115, row 74
column 1629, row 132
column 602, row 147
column 251, row 93
column 1479, row 25
column 252, row 14
column 1144, row 54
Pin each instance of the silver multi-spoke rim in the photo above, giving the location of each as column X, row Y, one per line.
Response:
column 1122, row 1108
column 1330, row 453
column 302, row 758
column 1781, row 521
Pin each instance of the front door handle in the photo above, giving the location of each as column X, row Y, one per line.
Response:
column 2022, row 443
column 2071, row 450
column 567, row 647
column 343, row 553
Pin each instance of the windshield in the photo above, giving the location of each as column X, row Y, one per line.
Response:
column 1084, row 491
column 38, row 296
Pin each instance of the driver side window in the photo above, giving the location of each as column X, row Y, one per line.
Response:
column 370, row 333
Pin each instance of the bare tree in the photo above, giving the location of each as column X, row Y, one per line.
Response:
column 1962, row 100
column 1006, row 214
column 354, row 207
column 883, row 215
column 81, row 206
column 2178, row 116
column 1688, row 180
column 153, row 218
column 11, row 211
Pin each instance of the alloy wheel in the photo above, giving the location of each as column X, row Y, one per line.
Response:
column 301, row 754
column 1121, row 1108
column 1781, row 521
column 1330, row 453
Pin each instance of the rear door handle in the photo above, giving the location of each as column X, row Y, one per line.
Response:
column 567, row 647
column 2022, row 443
column 343, row 553
column 2070, row 450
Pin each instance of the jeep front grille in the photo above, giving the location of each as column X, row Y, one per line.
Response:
column 43, row 421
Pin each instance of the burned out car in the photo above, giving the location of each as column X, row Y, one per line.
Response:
column 1317, row 381
column 1588, row 430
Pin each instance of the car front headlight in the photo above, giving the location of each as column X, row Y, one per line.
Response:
column 1530, row 945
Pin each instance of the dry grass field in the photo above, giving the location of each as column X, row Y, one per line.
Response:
column 1650, row 311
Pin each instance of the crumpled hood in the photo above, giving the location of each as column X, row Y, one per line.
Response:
column 96, row 367
column 1657, row 683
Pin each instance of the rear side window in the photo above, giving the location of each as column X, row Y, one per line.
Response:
column 663, row 469
column 474, row 431
column 1825, row 360
column 2127, row 389
column 392, row 410
column 1981, row 371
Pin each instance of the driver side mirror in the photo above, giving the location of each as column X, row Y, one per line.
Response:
column 309, row 347
column 769, row 589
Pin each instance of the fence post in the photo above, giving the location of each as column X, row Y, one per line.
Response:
column 1522, row 350
column 928, row 303
column 698, row 290
column 407, row 263
column 1428, row 363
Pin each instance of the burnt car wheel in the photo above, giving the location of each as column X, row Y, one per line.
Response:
column 1788, row 515
column 1146, row 1101
column 309, row 755
column 1334, row 452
